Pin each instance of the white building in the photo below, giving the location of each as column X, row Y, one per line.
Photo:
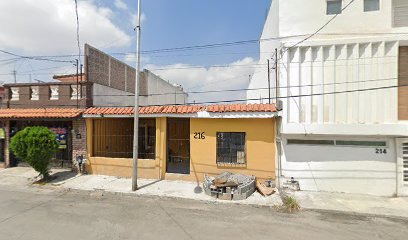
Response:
column 344, row 124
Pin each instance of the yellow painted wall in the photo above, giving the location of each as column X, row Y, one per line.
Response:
column 260, row 151
column 260, row 148
column 122, row 167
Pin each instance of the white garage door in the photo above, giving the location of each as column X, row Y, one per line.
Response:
column 341, row 164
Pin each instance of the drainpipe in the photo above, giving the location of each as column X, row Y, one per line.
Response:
column 278, row 140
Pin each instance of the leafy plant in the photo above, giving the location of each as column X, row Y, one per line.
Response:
column 36, row 146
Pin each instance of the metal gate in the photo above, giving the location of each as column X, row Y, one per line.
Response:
column 178, row 146
column 402, row 167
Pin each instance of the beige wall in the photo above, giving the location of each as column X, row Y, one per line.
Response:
column 260, row 151
column 260, row 148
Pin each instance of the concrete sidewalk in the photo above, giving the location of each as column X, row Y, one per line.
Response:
column 350, row 203
column 354, row 203
column 160, row 188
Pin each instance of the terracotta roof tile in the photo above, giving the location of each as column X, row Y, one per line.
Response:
column 40, row 113
column 183, row 109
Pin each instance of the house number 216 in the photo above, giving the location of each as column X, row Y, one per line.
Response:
column 199, row 135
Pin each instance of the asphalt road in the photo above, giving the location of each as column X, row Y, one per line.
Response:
column 53, row 214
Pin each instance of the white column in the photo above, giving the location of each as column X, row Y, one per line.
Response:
column 318, row 80
column 306, row 82
column 293, row 85
column 341, row 84
column 329, row 81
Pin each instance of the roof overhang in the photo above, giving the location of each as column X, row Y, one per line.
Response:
column 203, row 114
column 40, row 113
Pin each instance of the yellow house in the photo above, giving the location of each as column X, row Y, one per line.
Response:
column 183, row 142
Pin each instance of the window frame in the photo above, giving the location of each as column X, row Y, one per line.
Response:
column 143, row 122
column 103, row 136
column 334, row 1
column 316, row 142
column 244, row 147
column 51, row 87
column 14, row 95
column 34, row 97
column 362, row 145
column 335, row 143
column 368, row 10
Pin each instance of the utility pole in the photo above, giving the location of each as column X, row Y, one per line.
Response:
column 15, row 76
column 80, row 82
column 269, row 83
column 136, row 109
column 276, row 76
column 77, row 83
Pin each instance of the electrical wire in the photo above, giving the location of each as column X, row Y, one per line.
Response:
column 324, row 25
column 231, row 90
column 241, row 100
column 77, row 32
column 35, row 58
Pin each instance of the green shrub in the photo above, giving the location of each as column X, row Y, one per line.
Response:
column 36, row 146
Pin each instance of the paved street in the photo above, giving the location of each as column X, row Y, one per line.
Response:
column 33, row 213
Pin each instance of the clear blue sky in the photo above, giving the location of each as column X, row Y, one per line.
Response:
column 175, row 23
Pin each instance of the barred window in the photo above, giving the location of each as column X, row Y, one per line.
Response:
column 114, row 138
column 231, row 148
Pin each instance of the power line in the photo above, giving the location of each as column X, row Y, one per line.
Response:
column 255, row 65
column 242, row 100
column 233, row 90
column 34, row 58
column 213, row 66
column 77, row 32
column 322, row 27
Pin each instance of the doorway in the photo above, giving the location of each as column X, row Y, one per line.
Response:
column 178, row 146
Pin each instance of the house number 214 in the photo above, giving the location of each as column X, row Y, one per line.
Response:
column 199, row 135
column 380, row 151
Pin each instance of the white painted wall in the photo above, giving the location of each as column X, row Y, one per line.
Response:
column 356, row 51
column 341, row 169
column 116, row 97
column 159, row 92
column 290, row 21
column 163, row 93
column 330, row 83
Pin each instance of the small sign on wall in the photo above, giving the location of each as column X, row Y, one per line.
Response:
column 199, row 135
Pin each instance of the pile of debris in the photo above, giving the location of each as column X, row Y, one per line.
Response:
column 229, row 186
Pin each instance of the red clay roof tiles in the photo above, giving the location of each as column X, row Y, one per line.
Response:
column 40, row 113
column 183, row 109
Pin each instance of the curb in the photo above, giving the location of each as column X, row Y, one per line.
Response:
column 214, row 201
column 221, row 202
column 353, row 213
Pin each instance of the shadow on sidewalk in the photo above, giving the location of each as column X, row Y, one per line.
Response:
column 149, row 184
column 60, row 177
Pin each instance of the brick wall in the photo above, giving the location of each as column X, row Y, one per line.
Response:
column 6, row 126
column 64, row 96
column 108, row 71
column 78, row 144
